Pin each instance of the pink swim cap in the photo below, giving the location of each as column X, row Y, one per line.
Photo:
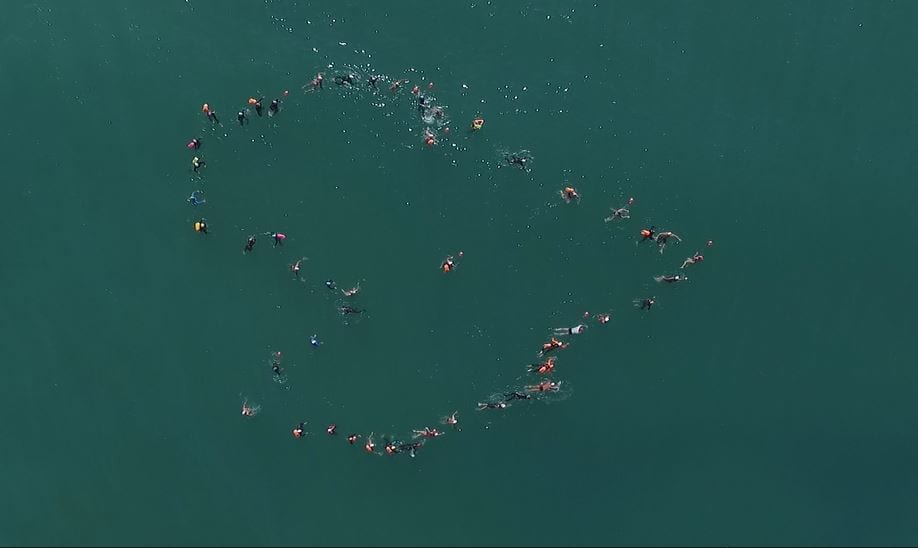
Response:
column 281, row 236
column 190, row 144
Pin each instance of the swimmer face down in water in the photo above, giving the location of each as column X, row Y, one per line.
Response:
column 576, row 330
column 552, row 345
column 492, row 405
column 663, row 237
column 671, row 278
column 249, row 244
column 696, row 258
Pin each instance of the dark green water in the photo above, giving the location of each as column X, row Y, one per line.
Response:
column 769, row 400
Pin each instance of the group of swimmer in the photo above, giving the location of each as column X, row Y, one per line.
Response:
column 432, row 113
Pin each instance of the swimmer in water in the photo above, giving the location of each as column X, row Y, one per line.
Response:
column 345, row 309
column 647, row 234
column 295, row 267
column 200, row 226
column 243, row 120
column 352, row 438
column 332, row 429
column 369, row 446
column 427, row 432
column 410, row 447
column 197, row 163
column 352, row 291
column 492, row 405
column 449, row 264
column 429, row 138
column 545, row 367
column 347, row 79
column 518, row 161
column 258, row 107
column 645, row 304
column 620, row 213
column 197, row 198
column 672, row 278
column 299, row 431
column 249, row 410
column 569, row 194
column 314, row 341
column 545, row 386
column 211, row 114
column 510, row 396
column 663, row 237
column 278, row 237
column 316, row 82
column 390, row 447
column 450, row 420
column 576, row 330
column 696, row 258
column 330, row 284
column 372, row 80
column 477, row 124
column 274, row 107
column 277, row 369
column 603, row 318
column 249, row 244
column 552, row 345
column 194, row 144
column 396, row 85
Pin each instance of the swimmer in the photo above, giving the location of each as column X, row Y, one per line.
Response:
column 352, row 438
column 647, row 233
column 450, row 420
column 194, row 144
column 197, row 163
column 298, row 432
column 603, row 318
column 346, row 79
column 410, row 447
column 545, row 367
column 258, row 107
column 517, row 160
column 396, row 85
column 422, row 101
column 278, row 370
column 345, row 309
column 197, row 198
column 492, row 405
column 427, row 432
column 331, row 430
column 295, row 267
column 663, row 237
column 369, row 446
column 249, row 410
column 510, row 396
column 552, row 345
column 211, row 114
column 314, row 341
column 352, row 291
column 545, row 386
column 620, row 213
column 249, row 244
column 696, row 258
column 429, row 138
column 243, row 120
column 200, row 226
column 569, row 194
column 673, row 278
column 449, row 263
column 477, row 124
column 317, row 82
column 274, row 107
column 372, row 80
column 576, row 330
column 437, row 112
column 391, row 448
column 330, row 284
column 645, row 304
column 279, row 237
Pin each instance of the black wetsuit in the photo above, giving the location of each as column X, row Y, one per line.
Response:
column 330, row 284
column 516, row 396
column 249, row 245
column 213, row 116
column 258, row 107
column 341, row 80
column 515, row 160
column 350, row 310
column 277, row 369
column 241, row 117
column 646, row 304
column 373, row 79
column 275, row 106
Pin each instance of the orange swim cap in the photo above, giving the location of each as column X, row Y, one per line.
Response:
column 645, row 232
column 205, row 108
column 252, row 100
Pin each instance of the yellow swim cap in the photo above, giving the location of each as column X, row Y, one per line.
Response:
column 197, row 226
